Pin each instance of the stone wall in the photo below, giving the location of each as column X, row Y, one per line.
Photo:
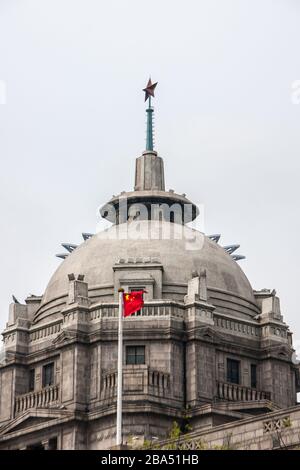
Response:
column 277, row 430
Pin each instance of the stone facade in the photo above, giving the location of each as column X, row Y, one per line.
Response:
column 279, row 430
column 186, row 347
column 208, row 346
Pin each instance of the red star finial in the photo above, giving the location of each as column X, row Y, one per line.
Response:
column 149, row 90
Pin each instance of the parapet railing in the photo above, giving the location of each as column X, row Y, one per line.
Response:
column 40, row 399
column 153, row 309
column 45, row 331
column 157, row 381
column 235, row 392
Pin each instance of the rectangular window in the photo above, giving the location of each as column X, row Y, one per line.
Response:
column 31, row 380
column 48, row 374
column 253, row 376
column 135, row 355
column 52, row 443
column 134, row 289
column 233, row 371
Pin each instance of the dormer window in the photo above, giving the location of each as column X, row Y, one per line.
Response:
column 138, row 288
column 140, row 273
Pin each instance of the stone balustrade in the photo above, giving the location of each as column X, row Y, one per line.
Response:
column 40, row 399
column 45, row 331
column 236, row 326
column 234, row 392
column 153, row 309
column 109, row 382
column 157, row 381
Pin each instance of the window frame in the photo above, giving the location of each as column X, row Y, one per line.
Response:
column 135, row 362
column 253, row 367
column 135, row 289
column 230, row 378
column 31, row 385
column 45, row 366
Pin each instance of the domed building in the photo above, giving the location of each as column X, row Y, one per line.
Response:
column 205, row 349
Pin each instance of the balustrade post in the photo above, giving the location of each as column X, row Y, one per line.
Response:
column 45, row 444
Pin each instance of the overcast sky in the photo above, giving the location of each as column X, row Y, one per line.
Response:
column 72, row 123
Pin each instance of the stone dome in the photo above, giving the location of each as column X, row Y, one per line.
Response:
column 179, row 249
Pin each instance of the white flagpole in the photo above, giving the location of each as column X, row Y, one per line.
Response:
column 120, row 371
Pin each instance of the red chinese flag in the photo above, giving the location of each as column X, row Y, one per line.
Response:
column 132, row 302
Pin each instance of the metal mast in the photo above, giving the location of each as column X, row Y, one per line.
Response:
column 149, row 91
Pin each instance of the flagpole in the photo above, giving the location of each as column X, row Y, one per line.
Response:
column 120, row 371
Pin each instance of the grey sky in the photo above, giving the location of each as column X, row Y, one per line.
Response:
column 74, row 122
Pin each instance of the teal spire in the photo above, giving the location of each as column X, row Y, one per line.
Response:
column 149, row 131
column 149, row 91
